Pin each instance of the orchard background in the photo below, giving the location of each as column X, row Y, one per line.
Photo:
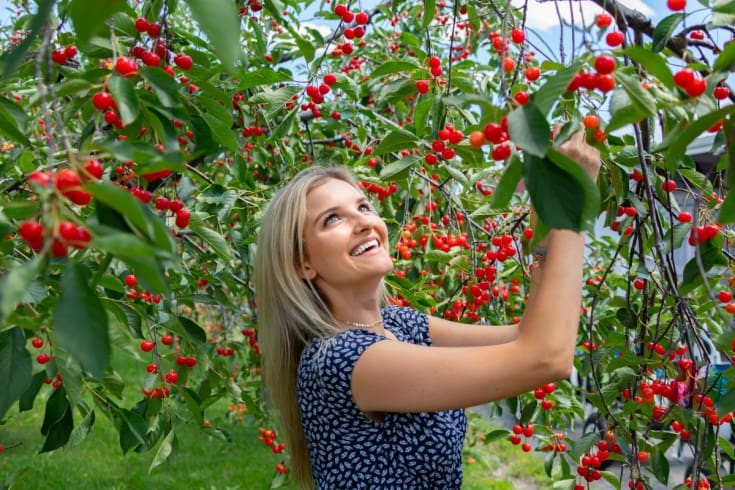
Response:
column 142, row 139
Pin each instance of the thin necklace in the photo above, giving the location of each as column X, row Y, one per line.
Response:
column 363, row 325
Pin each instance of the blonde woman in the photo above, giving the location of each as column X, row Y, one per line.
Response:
column 372, row 396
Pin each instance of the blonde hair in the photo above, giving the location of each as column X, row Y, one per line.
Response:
column 290, row 310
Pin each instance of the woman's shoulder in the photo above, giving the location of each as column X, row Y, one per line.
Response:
column 412, row 323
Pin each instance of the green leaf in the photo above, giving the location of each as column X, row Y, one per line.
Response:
column 710, row 255
column 529, row 129
column 724, row 6
column 398, row 167
column 549, row 94
column 641, row 99
column 655, row 64
column 421, row 114
column 220, row 22
column 90, row 16
column 164, row 86
column 15, row 368
column 80, row 321
column 397, row 140
column 25, row 402
column 508, row 183
column 725, row 61
column 12, row 59
column 496, row 435
column 562, row 193
column 123, row 202
column 305, row 47
column 15, row 285
column 390, row 67
column 664, row 29
column 213, row 239
column 660, row 465
column 13, row 121
column 263, row 76
column 133, row 429
column 675, row 143
column 429, row 6
column 164, row 451
column 437, row 256
column 222, row 131
column 123, row 244
column 82, row 430
column 123, row 91
column 58, row 422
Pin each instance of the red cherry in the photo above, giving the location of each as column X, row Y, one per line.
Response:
column 126, row 67
column 167, row 340
column 668, row 186
column 94, row 168
column 696, row 88
column 532, row 73
column 58, row 56
column 720, row 92
column 154, row 29
column 141, row 24
column 643, row 456
column 603, row 20
column 696, row 35
column 509, row 64
column 684, row 217
column 684, row 77
column 102, row 101
column 70, row 51
column 151, row 59
column 171, row 377
column 183, row 61
column 330, row 79
column 500, row 152
column 147, row 345
column 526, row 447
column 422, row 86
column 676, row 5
column 362, row 18
column 131, row 281
column 517, row 35
column 31, row 230
column 175, row 205
column 43, row 179
column 43, row 358
column 494, row 133
column 590, row 121
column 521, row 97
column 37, row 342
column 614, row 38
column 605, row 64
column 724, row 296
column 182, row 218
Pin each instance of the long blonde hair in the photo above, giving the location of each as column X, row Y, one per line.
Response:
column 290, row 310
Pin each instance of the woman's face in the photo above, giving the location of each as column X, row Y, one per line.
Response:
column 346, row 242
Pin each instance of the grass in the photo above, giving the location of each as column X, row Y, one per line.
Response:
column 202, row 461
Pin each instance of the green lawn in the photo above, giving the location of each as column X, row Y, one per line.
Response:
column 201, row 461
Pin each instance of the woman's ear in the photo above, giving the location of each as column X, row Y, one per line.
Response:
column 305, row 271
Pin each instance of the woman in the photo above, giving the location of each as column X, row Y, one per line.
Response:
column 374, row 397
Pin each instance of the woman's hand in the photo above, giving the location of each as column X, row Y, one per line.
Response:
column 586, row 155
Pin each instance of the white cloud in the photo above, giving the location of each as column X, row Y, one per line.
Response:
column 543, row 15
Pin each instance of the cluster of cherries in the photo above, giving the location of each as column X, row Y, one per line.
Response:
column 61, row 56
column 268, row 437
column 133, row 293
column 357, row 22
column 590, row 463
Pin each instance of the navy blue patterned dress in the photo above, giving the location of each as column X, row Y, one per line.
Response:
column 348, row 450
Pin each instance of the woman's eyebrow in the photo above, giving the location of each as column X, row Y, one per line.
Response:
column 319, row 216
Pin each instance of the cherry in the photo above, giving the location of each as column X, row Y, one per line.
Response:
column 182, row 218
column 477, row 139
column 614, row 38
column 422, row 86
column 131, row 281
column 676, row 5
column 330, row 79
column 591, row 121
column 31, row 230
column 494, row 133
column 603, row 20
column 696, row 88
column 721, row 92
column 151, row 59
column 167, row 340
column 171, row 377
column 684, row 77
column 147, row 345
column 696, row 35
column 605, row 83
column 509, row 64
column 643, row 456
column 532, row 73
column 517, row 35
column 668, row 186
column 724, row 296
column 605, row 64
column 526, row 447
column 684, row 217
column 70, row 51
column 37, row 342
column 500, row 152
column 521, row 97
column 94, row 168
column 126, row 67
column 43, row 358
column 58, row 56
column 154, row 29
column 362, row 18
column 102, row 101
column 42, row 178
column 141, row 24
column 183, row 61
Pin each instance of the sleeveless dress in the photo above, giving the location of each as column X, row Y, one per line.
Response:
column 348, row 450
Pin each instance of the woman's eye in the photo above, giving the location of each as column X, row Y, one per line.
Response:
column 330, row 219
column 365, row 207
